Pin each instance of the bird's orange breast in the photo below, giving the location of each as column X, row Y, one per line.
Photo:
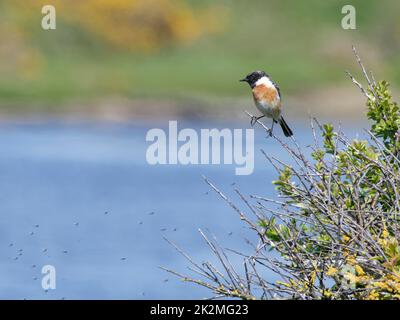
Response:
column 262, row 93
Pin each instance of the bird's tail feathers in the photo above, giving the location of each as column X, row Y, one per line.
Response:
column 285, row 128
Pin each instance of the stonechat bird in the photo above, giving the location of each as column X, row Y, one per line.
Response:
column 267, row 98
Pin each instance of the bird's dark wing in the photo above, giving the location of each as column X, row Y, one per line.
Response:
column 277, row 88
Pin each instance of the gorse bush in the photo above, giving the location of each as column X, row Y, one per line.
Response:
column 342, row 240
column 132, row 25
column 96, row 27
column 336, row 225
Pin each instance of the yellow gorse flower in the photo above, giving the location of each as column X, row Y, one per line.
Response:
column 331, row 271
column 135, row 25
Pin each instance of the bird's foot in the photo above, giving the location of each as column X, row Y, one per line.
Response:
column 253, row 120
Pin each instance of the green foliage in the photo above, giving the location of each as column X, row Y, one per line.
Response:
column 385, row 115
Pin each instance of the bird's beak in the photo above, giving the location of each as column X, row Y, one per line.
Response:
column 243, row 80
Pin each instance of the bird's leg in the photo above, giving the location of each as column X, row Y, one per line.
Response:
column 254, row 119
column 272, row 128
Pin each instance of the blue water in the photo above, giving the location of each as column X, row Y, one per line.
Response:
column 82, row 197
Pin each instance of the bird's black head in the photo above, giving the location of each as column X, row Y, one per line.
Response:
column 253, row 77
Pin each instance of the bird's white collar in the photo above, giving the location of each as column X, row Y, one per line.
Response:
column 265, row 81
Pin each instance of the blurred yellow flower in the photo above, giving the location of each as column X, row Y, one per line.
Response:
column 331, row 271
column 359, row 270
column 135, row 25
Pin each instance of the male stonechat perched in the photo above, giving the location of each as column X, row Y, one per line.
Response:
column 267, row 98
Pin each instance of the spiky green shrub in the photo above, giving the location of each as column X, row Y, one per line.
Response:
column 342, row 238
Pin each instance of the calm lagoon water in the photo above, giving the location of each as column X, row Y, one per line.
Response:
column 82, row 197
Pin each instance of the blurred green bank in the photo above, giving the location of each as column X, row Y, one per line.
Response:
column 165, row 50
